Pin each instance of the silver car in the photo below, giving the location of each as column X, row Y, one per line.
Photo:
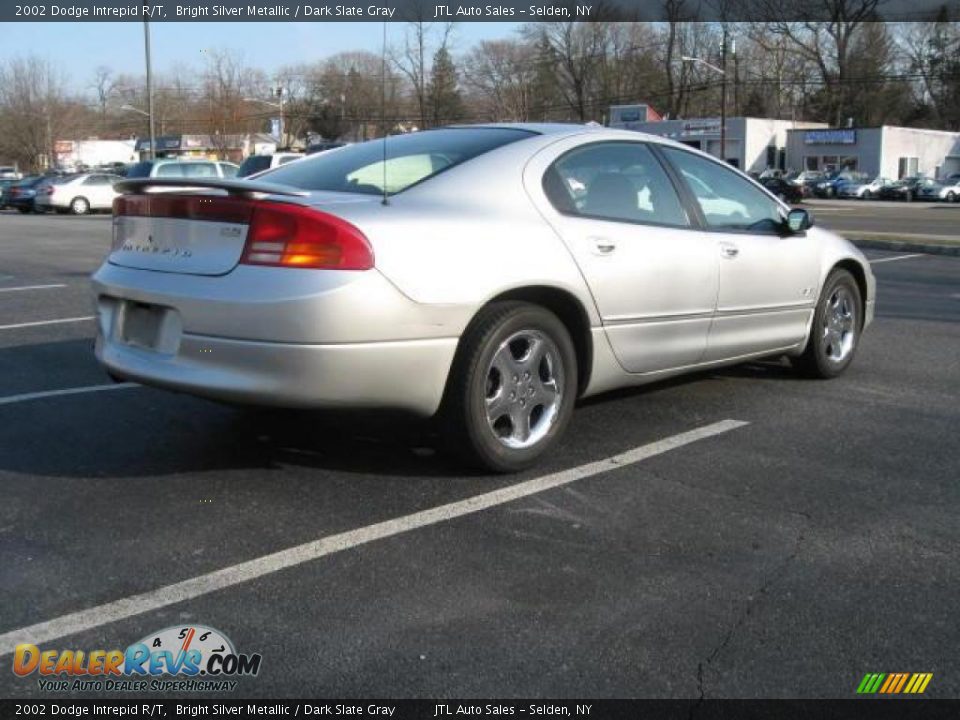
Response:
column 78, row 194
column 489, row 275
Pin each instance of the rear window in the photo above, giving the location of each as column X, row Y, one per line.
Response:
column 411, row 159
column 170, row 170
column 253, row 164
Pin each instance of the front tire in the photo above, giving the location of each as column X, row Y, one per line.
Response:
column 512, row 387
column 835, row 332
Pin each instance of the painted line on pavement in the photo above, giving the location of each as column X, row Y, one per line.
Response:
column 26, row 397
column 117, row 610
column 898, row 257
column 31, row 287
column 46, row 322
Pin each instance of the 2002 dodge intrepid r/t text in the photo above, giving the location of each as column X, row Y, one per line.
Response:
column 492, row 274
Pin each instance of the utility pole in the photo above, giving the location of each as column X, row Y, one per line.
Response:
column 146, row 47
column 723, row 96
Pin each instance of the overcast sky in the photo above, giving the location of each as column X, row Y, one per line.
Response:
column 78, row 48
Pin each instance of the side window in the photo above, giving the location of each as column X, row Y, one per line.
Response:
column 170, row 170
column 199, row 170
column 727, row 200
column 228, row 170
column 614, row 181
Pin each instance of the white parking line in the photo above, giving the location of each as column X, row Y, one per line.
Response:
column 31, row 287
column 46, row 322
column 291, row 557
column 25, row 397
column 893, row 259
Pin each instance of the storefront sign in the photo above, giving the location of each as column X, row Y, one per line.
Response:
column 830, row 137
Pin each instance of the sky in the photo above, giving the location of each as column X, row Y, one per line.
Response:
column 79, row 48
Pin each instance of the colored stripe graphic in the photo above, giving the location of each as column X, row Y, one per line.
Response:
column 894, row 683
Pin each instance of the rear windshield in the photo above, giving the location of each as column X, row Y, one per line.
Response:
column 253, row 164
column 411, row 159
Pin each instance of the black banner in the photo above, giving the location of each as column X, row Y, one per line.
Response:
column 459, row 11
column 868, row 709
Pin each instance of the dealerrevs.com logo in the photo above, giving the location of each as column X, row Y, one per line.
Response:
column 177, row 659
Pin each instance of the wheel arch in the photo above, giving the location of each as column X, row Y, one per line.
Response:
column 859, row 274
column 566, row 306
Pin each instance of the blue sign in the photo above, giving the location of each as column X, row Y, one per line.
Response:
column 830, row 137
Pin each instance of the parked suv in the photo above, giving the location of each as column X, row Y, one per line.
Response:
column 182, row 169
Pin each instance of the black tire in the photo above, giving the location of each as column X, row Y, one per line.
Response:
column 80, row 206
column 867, row 195
column 951, row 197
column 816, row 360
column 463, row 417
column 23, row 209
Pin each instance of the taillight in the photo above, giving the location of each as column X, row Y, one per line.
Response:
column 279, row 234
column 48, row 190
column 286, row 235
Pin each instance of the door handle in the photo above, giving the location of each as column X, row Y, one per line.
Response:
column 729, row 250
column 603, row 246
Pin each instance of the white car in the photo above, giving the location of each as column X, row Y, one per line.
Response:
column 79, row 194
column 9, row 172
column 185, row 168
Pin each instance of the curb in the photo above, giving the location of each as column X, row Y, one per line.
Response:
column 905, row 246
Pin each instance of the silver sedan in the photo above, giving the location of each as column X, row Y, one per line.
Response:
column 488, row 275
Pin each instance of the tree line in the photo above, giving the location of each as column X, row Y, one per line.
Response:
column 849, row 69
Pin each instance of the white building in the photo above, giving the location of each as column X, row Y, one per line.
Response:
column 752, row 144
column 71, row 153
column 892, row 152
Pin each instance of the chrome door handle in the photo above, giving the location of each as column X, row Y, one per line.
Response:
column 603, row 246
column 728, row 250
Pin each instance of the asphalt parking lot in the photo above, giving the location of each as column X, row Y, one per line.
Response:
column 786, row 557
column 885, row 219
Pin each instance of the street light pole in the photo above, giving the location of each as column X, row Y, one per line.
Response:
column 723, row 96
column 146, row 47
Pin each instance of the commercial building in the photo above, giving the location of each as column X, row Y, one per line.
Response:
column 233, row 148
column 752, row 144
column 93, row 152
column 892, row 152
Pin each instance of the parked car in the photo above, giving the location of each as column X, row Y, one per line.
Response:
column 79, row 194
column 905, row 189
column 21, row 194
column 948, row 190
column 257, row 163
column 4, row 184
column 484, row 290
column 806, row 180
column 863, row 190
column 182, row 169
column 830, row 186
column 9, row 172
column 786, row 191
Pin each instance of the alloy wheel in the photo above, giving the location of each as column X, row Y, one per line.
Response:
column 524, row 388
column 839, row 325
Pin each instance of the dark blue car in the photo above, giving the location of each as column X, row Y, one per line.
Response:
column 21, row 194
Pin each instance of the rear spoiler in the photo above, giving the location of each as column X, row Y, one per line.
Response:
column 243, row 188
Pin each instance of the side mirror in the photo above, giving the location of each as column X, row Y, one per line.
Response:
column 799, row 220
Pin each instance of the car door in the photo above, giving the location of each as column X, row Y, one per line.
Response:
column 652, row 274
column 767, row 278
column 97, row 190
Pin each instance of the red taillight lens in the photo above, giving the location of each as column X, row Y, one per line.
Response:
column 288, row 235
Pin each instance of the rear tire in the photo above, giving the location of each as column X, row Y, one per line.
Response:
column 24, row 210
column 512, row 387
column 835, row 331
column 951, row 197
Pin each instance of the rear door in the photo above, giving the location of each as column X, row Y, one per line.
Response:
column 652, row 274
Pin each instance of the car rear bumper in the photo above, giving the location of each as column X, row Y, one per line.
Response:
column 405, row 375
column 280, row 337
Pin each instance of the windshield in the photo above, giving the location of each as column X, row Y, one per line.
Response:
column 411, row 159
